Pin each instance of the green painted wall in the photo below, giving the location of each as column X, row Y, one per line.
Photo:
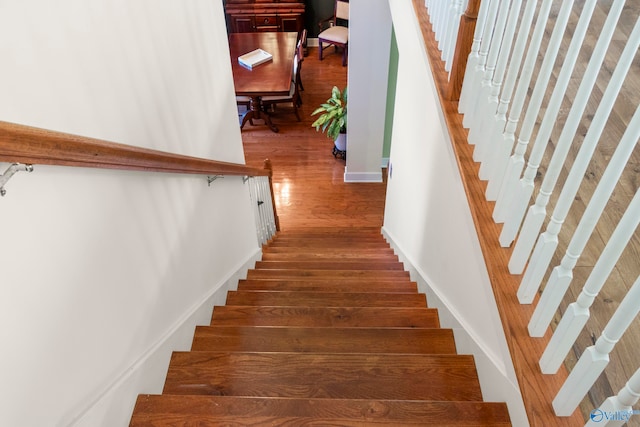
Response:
column 391, row 95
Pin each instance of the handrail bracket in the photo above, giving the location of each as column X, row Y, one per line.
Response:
column 11, row 170
column 210, row 179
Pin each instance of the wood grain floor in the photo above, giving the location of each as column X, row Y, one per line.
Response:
column 308, row 180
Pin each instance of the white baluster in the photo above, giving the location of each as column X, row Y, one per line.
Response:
column 268, row 209
column 429, row 5
column 520, row 202
column 260, row 208
column 595, row 358
column 562, row 274
column 443, row 10
column 577, row 313
column 432, row 9
column 617, row 406
column 446, row 24
column 506, row 170
column 548, row 241
column 486, row 125
column 496, row 127
column 538, row 212
column 452, row 33
column 472, row 60
column 441, row 21
column 507, row 196
column 475, row 137
column 254, row 203
column 476, row 77
column 264, row 187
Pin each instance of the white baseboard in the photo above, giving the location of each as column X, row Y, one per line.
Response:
column 495, row 384
column 362, row 176
column 113, row 405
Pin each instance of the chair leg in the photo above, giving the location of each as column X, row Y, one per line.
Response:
column 320, row 50
column 344, row 55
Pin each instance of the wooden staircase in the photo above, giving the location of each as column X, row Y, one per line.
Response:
column 328, row 329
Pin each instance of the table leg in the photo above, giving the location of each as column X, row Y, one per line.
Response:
column 255, row 112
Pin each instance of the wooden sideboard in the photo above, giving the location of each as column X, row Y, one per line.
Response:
column 248, row 16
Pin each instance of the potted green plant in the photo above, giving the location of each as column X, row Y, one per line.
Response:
column 332, row 120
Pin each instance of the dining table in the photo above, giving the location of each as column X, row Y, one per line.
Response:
column 272, row 78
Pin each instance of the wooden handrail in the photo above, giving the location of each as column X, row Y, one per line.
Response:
column 537, row 389
column 30, row 145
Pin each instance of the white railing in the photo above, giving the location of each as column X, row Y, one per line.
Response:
column 262, row 202
column 448, row 13
column 563, row 79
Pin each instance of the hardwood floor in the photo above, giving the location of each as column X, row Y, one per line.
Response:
column 308, row 181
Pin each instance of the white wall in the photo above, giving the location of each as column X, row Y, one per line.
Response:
column 369, row 45
column 427, row 219
column 102, row 272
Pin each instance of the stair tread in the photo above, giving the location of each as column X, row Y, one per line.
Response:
column 326, row 299
column 326, row 316
column 363, row 251
column 328, row 285
column 170, row 410
column 330, row 265
column 342, row 237
column 334, row 245
column 327, row 329
column 347, row 274
column 334, row 340
column 354, row 375
column 328, row 256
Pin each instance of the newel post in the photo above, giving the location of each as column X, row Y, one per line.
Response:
column 463, row 48
column 269, row 168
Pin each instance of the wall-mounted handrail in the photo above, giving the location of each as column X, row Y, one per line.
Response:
column 30, row 145
column 20, row 144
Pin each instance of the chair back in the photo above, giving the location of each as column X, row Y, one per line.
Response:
column 300, row 45
column 342, row 10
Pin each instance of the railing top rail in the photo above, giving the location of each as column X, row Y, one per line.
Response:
column 30, row 145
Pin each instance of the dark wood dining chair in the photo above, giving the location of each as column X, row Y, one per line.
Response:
column 269, row 102
column 300, row 52
column 336, row 34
